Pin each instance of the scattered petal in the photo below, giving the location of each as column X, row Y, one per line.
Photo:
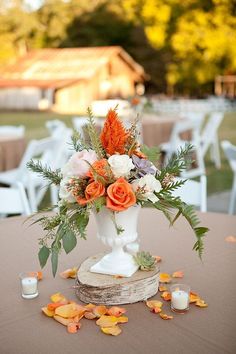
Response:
column 231, row 239
column 165, row 278
column 89, row 315
column 73, row 327
column 116, row 311
column 69, row 273
column 47, row 312
column 98, row 311
column 54, row 305
column 178, row 274
column 201, row 303
column 114, row 330
column 107, row 321
column 90, row 306
column 156, row 310
column 122, row 319
column 158, row 259
column 162, row 288
column 63, row 321
column 70, row 310
column 154, row 303
column 58, row 297
column 166, row 295
column 164, row 316
column 193, row 297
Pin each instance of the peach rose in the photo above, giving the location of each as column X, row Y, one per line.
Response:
column 93, row 191
column 120, row 195
column 102, row 169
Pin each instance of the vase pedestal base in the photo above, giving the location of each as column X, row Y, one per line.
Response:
column 124, row 266
column 114, row 290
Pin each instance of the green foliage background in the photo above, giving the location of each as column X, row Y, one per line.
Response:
column 183, row 45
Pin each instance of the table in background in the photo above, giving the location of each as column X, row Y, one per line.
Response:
column 11, row 152
column 156, row 129
column 25, row 330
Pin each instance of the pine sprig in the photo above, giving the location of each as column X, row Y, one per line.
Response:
column 78, row 143
column 54, row 177
column 94, row 137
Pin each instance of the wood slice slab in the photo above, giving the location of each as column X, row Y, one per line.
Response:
column 111, row 290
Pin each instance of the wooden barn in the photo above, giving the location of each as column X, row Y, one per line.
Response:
column 67, row 80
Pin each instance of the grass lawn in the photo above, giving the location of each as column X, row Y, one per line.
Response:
column 218, row 180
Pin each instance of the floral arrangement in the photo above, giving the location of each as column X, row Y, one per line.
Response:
column 112, row 171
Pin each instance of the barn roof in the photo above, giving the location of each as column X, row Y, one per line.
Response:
column 62, row 67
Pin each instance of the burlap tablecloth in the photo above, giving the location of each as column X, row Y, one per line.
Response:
column 11, row 152
column 25, row 330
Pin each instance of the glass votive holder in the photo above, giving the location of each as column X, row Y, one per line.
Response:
column 180, row 298
column 29, row 285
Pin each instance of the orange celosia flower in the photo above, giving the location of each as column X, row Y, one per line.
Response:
column 101, row 167
column 113, row 136
column 93, row 191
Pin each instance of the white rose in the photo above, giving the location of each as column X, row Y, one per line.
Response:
column 78, row 163
column 147, row 185
column 63, row 191
column 120, row 165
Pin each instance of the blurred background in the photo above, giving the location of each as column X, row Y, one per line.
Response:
column 162, row 59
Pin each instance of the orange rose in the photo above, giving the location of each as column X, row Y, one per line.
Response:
column 101, row 167
column 120, row 195
column 93, row 191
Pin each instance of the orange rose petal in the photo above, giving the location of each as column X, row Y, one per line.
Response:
column 178, row 274
column 114, row 330
column 164, row 316
column 73, row 327
column 98, row 311
column 122, row 319
column 54, row 305
column 166, row 295
column 63, row 321
column 201, row 303
column 89, row 315
column 154, row 303
column 70, row 310
column 90, row 306
column 230, row 239
column 116, row 311
column 107, row 321
column 48, row 312
column 69, row 273
column 165, row 278
column 193, row 297
column 58, row 297
column 162, row 288
column 156, row 310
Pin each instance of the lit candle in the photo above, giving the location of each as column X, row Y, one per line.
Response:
column 29, row 285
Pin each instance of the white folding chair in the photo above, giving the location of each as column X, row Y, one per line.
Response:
column 13, row 200
column 55, row 127
column 79, row 124
column 230, row 153
column 209, row 137
column 193, row 192
column 176, row 142
column 10, row 130
column 47, row 151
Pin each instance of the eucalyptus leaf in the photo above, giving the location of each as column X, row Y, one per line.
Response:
column 54, row 261
column 43, row 256
column 69, row 241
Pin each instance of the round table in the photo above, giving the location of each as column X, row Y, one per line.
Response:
column 11, row 151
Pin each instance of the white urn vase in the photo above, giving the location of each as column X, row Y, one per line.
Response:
column 118, row 261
